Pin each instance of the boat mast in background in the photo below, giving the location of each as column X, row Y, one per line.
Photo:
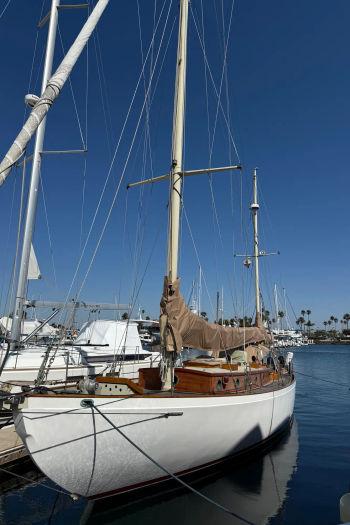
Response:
column 34, row 187
column 255, row 207
column 199, row 300
column 276, row 307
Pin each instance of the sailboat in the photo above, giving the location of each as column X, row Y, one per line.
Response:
column 26, row 345
column 115, row 435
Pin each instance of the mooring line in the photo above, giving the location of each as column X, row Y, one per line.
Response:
column 72, row 496
column 322, row 379
column 88, row 403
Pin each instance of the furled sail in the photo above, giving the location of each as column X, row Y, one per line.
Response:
column 180, row 327
column 53, row 89
column 33, row 268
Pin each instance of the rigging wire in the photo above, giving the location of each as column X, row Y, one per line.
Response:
column 168, row 472
column 5, row 8
column 104, row 81
column 147, row 150
column 48, row 232
column 29, row 480
column 213, row 83
column 13, row 271
column 86, row 141
column 209, row 142
column 72, row 93
column 127, row 159
column 198, row 258
column 6, row 247
column 211, row 138
column 103, row 95
column 142, row 223
column 33, row 59
column 114, row 157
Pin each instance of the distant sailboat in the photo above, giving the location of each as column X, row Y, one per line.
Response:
column 114, row 435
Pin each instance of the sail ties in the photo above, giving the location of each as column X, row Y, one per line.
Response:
column 179, row 327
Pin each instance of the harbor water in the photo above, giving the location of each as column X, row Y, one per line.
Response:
column 297, row 481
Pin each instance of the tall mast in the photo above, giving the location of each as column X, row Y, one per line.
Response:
column 199, row 300
column 217, row 306
column 34, row 187
column 255, row 207
column 276, row 306
column 177, row 145
column 222, row 304
column 286, row 320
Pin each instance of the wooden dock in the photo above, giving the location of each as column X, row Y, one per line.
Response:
column 11, row 446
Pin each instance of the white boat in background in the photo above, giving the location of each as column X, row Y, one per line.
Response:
column 113, row 434
column 28, row 326
column 99, row 345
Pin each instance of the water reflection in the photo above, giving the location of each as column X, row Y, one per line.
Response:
column 254, row 490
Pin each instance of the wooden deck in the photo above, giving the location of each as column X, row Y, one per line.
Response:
column 11, row 446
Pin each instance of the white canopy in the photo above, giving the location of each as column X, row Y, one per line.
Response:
column 118, row 335
column 27, row 327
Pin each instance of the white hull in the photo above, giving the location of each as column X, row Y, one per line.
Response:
column 25, row 368
column 97, row 346
column 84, row 455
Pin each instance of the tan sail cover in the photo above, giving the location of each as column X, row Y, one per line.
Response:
column 180, row 327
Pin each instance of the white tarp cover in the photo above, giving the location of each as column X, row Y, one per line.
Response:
column 33, row 268
column 115, row 334
column 27, row 327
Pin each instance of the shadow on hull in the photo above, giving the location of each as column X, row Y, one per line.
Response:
column 252, row 483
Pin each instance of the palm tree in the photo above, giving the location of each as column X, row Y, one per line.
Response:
column 329, row 322
column 325, row 325
column 308, row 312
column 265, row 315
column 346, row 318
column 309, row 324
column 281, row 315
column 301, row 322
column 335, row 320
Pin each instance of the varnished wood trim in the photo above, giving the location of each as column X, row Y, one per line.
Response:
column 161, row 395
column 120, row 381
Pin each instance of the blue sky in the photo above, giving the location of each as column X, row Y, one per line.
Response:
column 288, row 83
